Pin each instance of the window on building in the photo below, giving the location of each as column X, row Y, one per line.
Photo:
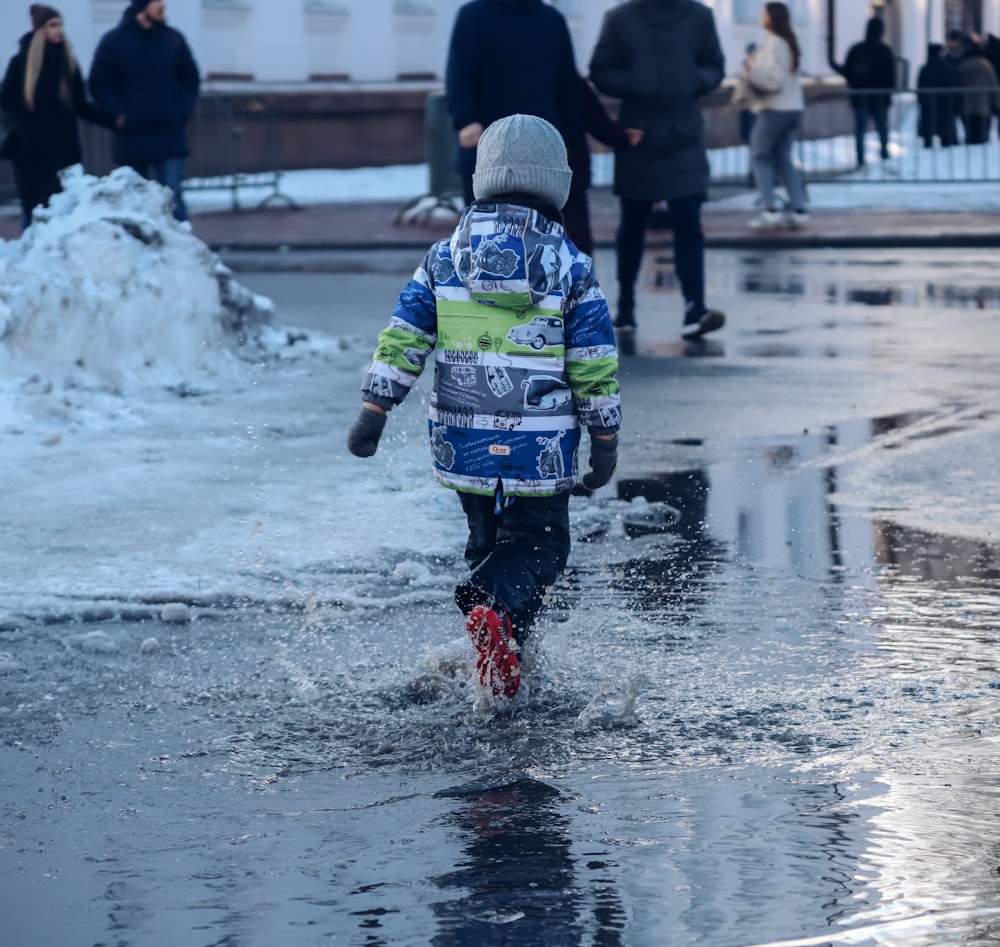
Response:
column 746, row 11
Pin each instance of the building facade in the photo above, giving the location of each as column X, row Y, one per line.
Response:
column 371, row 42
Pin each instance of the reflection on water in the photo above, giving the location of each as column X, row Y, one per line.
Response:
column 921, row 867
column 519, row 869
column 923, row 555
column 851, row 281
column 668, row 581
column 779, row 725
column 871, row 296
column 964, row 297
column 774, row 502
column 773, row 284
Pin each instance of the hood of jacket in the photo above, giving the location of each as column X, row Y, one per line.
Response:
column 511, row 256
column 874, row 31
column 128, row 20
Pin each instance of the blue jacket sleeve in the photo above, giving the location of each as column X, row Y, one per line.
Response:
column 404, row 345
column 591, row 356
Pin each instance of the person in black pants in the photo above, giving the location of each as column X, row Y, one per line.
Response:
column 659, row 57
column 43, row 96
column 870, row 72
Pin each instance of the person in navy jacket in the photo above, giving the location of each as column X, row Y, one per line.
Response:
column 145, row 75
column 509, row 57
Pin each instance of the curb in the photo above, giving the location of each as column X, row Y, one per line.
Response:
column 768, row 242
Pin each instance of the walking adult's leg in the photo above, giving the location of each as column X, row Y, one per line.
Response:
column 689, row 253
column 790, row 175
column 880, row 115
column 630, row 244
column 860, row 127
column 762, row 140
column 35, row 185
column 170, row 173
column 977, row 130
column 25, row 192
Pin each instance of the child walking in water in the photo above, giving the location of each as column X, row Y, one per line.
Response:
column 524, row 355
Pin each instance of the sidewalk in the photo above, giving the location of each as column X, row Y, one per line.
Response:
column 372, row 225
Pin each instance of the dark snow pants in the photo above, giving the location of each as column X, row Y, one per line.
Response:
column 514, row 555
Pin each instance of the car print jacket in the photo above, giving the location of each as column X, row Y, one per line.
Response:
column 523, row 351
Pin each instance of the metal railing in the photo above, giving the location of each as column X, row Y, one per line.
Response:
column 244, row 143
column 235, row 146
column 933, row 138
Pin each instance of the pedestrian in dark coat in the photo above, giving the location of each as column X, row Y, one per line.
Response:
column 870, row 73
column 508, row 57
column 43, row 97
column 935, row 82
column 992, row 49
column 978, row 99
column 596, row 122
column 144, row 74
column 659, row 57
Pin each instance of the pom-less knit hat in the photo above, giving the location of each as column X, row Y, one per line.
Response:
column 41, row 14
column 522, row 153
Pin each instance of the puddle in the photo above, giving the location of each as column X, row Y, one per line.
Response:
column 762, row 707
column 839, row 281
column 964, row 297
column 775, row 502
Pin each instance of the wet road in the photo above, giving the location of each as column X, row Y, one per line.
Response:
column 763, row 707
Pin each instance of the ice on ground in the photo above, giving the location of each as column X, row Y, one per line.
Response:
column 168, row 442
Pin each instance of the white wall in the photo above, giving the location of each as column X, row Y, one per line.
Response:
column 375, row 40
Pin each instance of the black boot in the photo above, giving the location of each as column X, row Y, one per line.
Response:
column 699, row 320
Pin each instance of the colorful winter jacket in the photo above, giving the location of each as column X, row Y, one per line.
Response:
column 523, row 349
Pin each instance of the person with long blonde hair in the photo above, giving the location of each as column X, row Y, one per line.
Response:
column 43, row 96
column 771, row 76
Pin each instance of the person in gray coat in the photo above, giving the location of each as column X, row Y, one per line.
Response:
column 659, row 57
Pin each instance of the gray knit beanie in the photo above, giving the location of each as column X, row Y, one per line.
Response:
column 522, row 153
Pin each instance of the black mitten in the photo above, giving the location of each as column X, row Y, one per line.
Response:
column 363, row 434
column 603, row 461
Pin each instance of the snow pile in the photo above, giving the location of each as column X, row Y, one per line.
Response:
column 107, row 288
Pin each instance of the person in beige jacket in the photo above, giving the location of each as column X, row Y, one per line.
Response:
column 769, row 83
